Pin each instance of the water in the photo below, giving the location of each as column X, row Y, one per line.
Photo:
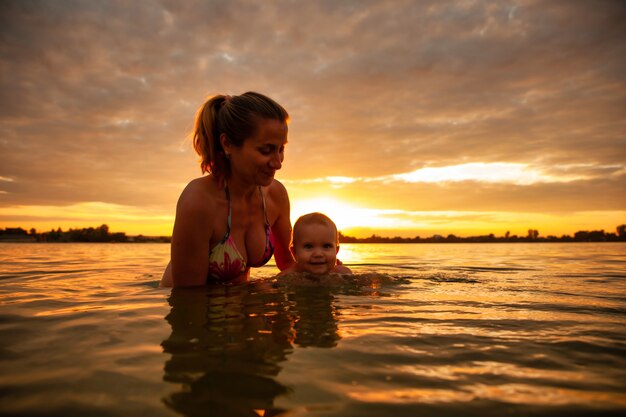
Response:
column 468, row 329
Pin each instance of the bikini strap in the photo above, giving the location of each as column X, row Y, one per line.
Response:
column 228, row 222
column 267, row 223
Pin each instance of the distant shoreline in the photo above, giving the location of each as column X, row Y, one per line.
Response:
column 101, row 234
column 360, row 242
column 532, row 237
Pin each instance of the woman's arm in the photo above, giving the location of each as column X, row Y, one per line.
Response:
column 281, row 228
column 191, row 238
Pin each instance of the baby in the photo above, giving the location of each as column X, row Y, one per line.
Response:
column 314, row 246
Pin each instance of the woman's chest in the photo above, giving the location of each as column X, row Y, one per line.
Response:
column 246, row 227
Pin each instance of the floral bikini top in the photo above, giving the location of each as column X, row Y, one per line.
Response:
column 226, row 262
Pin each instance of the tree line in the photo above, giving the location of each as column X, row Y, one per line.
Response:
column 102, row 234
column 88, row 234
column 531, row 236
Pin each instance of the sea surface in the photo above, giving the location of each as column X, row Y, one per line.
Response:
column 420, row 330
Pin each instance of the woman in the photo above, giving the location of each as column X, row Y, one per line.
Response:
column 237, row 216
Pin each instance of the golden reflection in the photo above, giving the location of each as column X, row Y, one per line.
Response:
column 546, row 395
column 404, row 395
column 512, row 393
column 92, row 307
column 495, row 368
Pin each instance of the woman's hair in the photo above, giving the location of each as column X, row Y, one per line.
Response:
column 237, row 117
column 312, row 218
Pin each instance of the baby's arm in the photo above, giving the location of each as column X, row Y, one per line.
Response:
column 341, row 269
column 289, row 270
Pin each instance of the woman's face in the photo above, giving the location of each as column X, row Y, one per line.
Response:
column 261, row 155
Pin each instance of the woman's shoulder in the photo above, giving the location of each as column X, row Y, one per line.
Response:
column 277, row 191
column 200, row 194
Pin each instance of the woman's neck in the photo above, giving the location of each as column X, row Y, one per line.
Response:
column 240, row 190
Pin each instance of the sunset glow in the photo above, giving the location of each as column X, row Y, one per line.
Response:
column 482, row 118
column 345, row 215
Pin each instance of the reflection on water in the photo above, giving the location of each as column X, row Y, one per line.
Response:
column 227, row 344
column 225, row 350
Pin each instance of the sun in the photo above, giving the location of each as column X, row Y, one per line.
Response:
column 344, row 215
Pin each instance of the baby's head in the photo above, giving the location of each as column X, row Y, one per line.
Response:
column 314, row 243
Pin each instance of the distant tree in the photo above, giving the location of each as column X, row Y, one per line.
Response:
column 621, row 230
column 103, row 231
column 507, row 234
column 533, row 234
column 118, row 237
column 592, row 236
column 18, row 231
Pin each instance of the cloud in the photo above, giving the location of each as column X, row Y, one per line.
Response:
column 486, row 173
column 97, row 98
column 549, row 197
column 496, row 172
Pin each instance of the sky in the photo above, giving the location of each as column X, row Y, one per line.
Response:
column 408, row 118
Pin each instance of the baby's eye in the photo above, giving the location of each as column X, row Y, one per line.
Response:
column 266, row 150
column 307, row 246
column 328, row 245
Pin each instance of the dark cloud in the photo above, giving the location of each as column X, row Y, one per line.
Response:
column 96, row 98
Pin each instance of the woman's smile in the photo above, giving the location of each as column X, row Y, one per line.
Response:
column 262, row 154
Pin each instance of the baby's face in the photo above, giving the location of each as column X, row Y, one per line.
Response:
column 315, row 248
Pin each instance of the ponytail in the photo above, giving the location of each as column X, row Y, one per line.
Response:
column 206, row 138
